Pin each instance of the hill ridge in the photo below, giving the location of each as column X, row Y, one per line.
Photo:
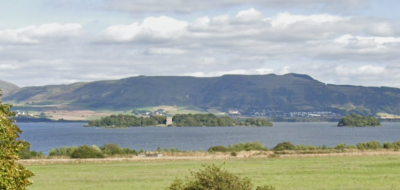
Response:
column 7, row 87
column 290, row 92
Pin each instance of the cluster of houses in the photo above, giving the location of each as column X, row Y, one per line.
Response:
column 234, row 112
column 278, row 113
column 311, row 114
column 149, row 113
column 19, row 113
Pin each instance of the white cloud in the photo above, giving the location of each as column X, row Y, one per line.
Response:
column 287, row 19
column 9, row 66
column 152, row 27
column 366, row 70
column 343, row 49
column 35, row 34
column 371, row 41
column 249, row 16
column 165, row 51
column 184, row 6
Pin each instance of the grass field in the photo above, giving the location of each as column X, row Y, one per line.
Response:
column 353, row 172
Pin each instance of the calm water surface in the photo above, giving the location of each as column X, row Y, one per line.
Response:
column 44, row 136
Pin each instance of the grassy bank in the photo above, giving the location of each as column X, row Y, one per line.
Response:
column 353, row 172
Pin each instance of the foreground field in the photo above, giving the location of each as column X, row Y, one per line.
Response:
column 352, row 172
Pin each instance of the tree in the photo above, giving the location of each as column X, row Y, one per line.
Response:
column 12, row 174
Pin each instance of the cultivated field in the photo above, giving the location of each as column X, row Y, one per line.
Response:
column 332, row 172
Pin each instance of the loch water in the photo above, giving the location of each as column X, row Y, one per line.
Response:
column 44, row 136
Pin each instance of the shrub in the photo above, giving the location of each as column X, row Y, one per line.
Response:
column 284, row 146
column 340, row 146
column 27, row 154
column 247, row 146
column 304, row 147
column 233, row 154
column 265, row 187
column 370, row 145
column 112, row 149
column 87, row 152
column 218, row 149
column 63, row 151
column 35, row 154
column 129, row 151
column 394, row 145
column 214, row 177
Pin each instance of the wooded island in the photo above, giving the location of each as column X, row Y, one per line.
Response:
column 355, row 120
column 179, row 120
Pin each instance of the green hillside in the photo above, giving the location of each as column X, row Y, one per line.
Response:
column 7, row 87
column 290, row 92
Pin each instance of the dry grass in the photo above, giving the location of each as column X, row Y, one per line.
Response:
column 75, row 115
column 171, row 156
column 388, row 116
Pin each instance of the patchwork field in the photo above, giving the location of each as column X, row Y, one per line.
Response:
column 350, row 172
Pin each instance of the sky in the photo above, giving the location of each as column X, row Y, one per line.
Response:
column 47, row 42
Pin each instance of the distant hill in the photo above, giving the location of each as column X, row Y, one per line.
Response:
column 7, row 87
column 293, row 92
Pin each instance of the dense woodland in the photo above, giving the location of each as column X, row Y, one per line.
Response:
column 355, row 120
column 180, row 120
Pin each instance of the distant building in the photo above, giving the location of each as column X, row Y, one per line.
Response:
column 234, row 112
column 169, row 120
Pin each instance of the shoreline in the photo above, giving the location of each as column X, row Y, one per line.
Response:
column 209, row 156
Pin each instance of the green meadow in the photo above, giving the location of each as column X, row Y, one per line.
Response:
column 353, row 172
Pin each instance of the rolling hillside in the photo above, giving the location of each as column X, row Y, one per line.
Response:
column 7, row 87
column 292, row 92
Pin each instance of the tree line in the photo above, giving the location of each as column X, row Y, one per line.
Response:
column 127, row 121
column 211, row 120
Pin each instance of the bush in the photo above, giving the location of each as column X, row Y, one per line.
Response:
column 239, row 147
column 304, row 147
column 218, row 149
column 87, row 152
column 265, row 187
column 233, row 154
column 284, row 146
column 247, row 146
column 27, row 154
column 112, row 149
column 214, row 177
column 63, row 151
column 394, row 145
column 370, row 145
column 341, row 147
column 129, row 151
column 35, row 154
